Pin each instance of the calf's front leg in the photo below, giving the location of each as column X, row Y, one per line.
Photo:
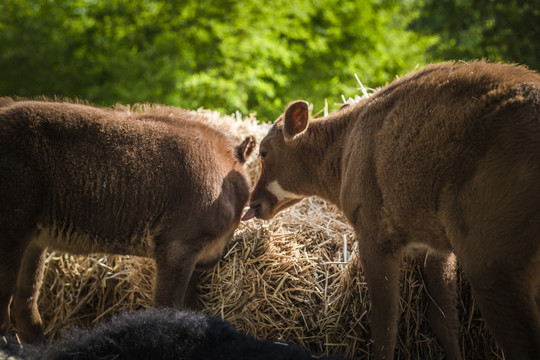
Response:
column 191, row 296
column 382, row 270
column 174, row 268
column 440, row 277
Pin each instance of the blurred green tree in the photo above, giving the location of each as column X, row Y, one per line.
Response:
column 225, row 55
column 491, row 29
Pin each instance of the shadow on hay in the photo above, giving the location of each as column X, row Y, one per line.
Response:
column 158, row 333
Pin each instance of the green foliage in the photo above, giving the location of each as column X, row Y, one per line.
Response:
column 222, row 54
column 104, row 51
column 491, row 29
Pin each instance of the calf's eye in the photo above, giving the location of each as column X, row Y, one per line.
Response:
column 263, row 154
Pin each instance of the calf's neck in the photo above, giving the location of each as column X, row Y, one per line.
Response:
column 445, row 160
column 156, row 183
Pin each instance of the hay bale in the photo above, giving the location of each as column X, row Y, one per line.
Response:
column 296, row 278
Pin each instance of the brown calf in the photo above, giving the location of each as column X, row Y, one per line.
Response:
column 446, row 160
column 84, row 179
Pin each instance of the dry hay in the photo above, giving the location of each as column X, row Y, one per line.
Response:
column 296, row 278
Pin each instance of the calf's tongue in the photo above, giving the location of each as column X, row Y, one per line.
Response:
column 250, row 214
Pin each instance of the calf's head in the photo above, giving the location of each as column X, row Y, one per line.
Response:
column 282, row 156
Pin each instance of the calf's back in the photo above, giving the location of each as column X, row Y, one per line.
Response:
column 104, row 179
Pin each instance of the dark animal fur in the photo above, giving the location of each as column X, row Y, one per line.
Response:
column 161, row 334
column 12, row 349
column 446, row 159
column 82, row 179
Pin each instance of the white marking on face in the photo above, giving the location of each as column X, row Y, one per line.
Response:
column 280, row 193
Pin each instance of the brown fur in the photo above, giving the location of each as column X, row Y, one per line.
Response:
column 82, row 179
column 446, row 160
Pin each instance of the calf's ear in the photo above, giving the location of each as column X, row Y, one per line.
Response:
column 245, row 148
column 296, row 119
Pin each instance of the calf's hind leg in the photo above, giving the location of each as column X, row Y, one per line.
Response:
column 496, row 238
column 11, row 253
column 511, row 314
column 20, row 199
column 24, row 305
column 505, row 291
